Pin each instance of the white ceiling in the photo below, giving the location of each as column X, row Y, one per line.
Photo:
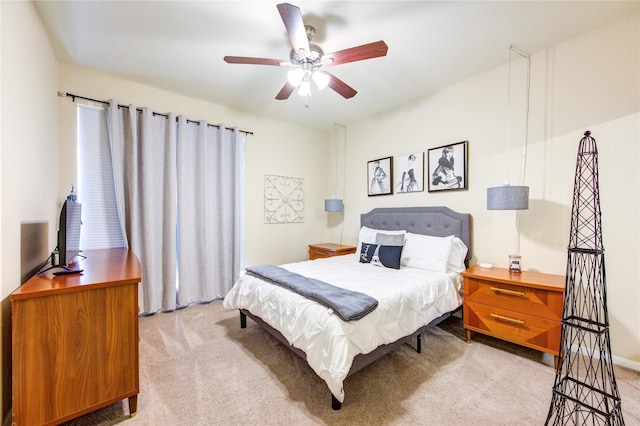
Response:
column 179, row 46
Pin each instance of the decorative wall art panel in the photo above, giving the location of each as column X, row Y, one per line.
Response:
column 283, row 199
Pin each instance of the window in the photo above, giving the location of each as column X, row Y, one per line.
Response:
column 96, row 191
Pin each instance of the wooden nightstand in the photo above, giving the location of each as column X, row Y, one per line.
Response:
column 523, row 308
column 317, row 251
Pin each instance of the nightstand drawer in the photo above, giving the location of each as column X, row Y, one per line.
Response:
column 533, row 301
column 527, row 330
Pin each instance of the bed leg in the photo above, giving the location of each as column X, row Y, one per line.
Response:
column 243, row 320
column 335, row 404
column 419, row 343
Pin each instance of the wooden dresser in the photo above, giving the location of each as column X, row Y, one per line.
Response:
column 523, row 308
column 75, row 340
column 317, row 251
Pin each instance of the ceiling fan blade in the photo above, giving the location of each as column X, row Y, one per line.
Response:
column 253, row 61
column 292, row 18
column 341, row 87
column 358, row 53
column 285, row 92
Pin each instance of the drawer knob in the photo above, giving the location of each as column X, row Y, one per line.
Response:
column 509, row 292
column 507, row 319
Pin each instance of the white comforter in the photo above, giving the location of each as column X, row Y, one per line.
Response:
column 408, row 298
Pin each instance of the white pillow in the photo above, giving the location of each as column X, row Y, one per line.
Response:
column 457, row 256
column 368, row 235
column 426, row 252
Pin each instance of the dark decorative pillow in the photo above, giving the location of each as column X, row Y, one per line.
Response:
column 387, row 256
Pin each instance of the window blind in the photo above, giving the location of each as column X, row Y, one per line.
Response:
column 100, row 222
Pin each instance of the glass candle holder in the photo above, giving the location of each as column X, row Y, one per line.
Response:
column 514, row 263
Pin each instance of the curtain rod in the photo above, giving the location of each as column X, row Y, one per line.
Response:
column 74, row 97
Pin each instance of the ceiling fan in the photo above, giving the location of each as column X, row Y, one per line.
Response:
column 308, row 60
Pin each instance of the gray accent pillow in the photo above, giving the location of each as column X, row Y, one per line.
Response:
column 389, row 239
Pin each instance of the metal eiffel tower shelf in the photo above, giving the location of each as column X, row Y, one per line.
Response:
column 585, row 391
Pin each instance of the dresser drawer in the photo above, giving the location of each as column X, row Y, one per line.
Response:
column 517, row 327
column 537, row 302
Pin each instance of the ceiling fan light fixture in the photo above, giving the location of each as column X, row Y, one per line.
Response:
column 305, row 88
column 295, row 76
column 321, row 79
column 308, row 57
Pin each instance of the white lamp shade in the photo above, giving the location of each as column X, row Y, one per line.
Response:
column 295, row 76
column 321, row 79
column 507, row 197
column 333, row 205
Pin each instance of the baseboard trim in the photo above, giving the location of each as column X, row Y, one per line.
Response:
column 616, row 360
column 624, row 362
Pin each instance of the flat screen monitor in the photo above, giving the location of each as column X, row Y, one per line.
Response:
column 69, row 232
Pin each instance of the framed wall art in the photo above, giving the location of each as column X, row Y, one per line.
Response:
column 283, row 199
column 409, row 173
column 380, row 176
column 448, row 167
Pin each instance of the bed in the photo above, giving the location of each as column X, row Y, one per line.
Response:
column 410, row 297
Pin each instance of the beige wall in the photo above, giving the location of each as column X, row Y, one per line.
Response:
column 587, row 83
column 29, row 149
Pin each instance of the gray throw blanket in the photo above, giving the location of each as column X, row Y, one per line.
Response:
column 347, row 304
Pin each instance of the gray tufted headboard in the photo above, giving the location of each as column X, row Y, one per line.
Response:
column 436, row 221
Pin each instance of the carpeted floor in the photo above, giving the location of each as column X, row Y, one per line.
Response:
column 197, row 367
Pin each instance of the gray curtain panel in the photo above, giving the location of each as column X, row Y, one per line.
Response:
column 209, row 165
column 180, row 191
column 143, row 147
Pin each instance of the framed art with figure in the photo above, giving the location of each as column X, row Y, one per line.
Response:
column 448, row 167
column 409, row 173
column 380, row 176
